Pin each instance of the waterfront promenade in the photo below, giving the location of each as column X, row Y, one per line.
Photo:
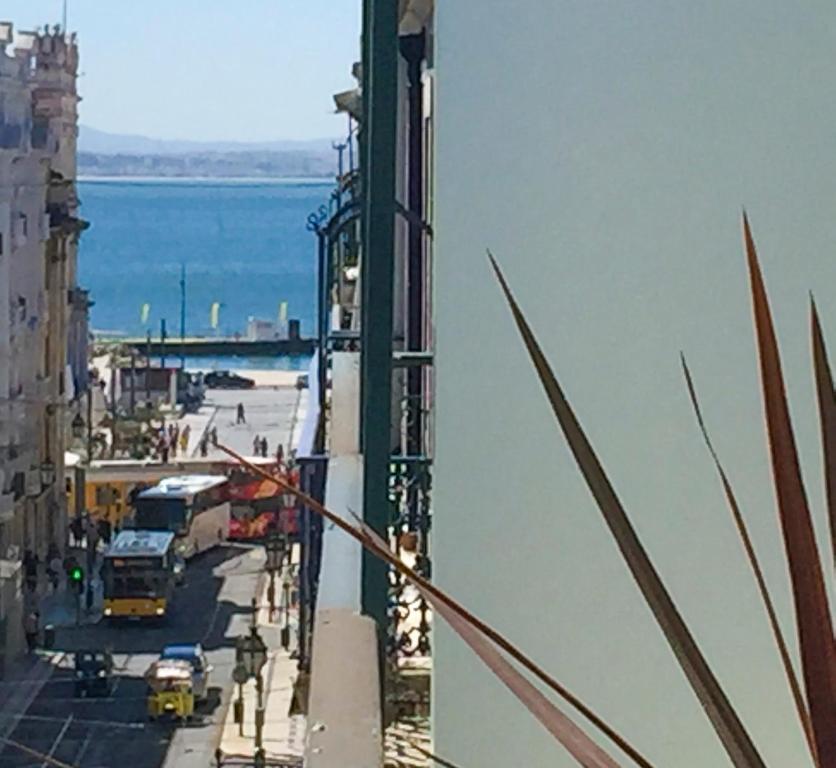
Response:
column 209, row 346
column 274, row 410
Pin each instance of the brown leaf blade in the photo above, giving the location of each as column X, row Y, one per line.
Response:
column 727, row 724
column 827, row 416
column 812, row 612
column 754, row 563
column 585, row 751
column 443, row 597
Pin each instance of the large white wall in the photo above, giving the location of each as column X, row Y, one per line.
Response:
column 603, row 152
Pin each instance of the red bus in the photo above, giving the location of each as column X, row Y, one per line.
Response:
column 257, row 505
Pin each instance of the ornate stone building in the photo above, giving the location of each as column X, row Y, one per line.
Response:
column 42, row 310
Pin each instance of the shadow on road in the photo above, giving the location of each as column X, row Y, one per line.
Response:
column 113, row 731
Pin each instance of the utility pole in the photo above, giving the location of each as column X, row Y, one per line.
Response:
column 89, row 421
column 182, row 315
column 148, row 370
column 133, row 382
column 162, row 342
column 64, row 18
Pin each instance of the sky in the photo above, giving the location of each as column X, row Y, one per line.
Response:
column 252, row 70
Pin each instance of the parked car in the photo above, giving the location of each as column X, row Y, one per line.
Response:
column 93, row 673
column 227, row 380
column 193, row 653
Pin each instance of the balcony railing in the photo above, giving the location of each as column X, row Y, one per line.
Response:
column 410, row 486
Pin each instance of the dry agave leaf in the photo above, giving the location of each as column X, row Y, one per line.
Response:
column 727, row 724
column 812, row 612
column 827, row 416
column 743, row 531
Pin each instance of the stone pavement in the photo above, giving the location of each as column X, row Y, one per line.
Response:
column 273, row 410
column 283, row 735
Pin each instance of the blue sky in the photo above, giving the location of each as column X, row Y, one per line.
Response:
column 208, row 69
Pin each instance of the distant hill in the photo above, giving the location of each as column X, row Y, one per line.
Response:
column 103, row 143
column 110, row 154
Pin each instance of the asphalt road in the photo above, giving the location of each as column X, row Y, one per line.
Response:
column 213, row 608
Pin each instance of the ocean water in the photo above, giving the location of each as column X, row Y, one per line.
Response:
column 244, row 245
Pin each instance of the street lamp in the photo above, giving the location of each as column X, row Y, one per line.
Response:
column 47, row 472
column 78, row 426
column 275, row 547
column 250, row 658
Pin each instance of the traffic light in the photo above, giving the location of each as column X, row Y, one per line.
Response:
column 77, row 577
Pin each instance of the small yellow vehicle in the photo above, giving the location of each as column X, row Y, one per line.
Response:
column 170, row 690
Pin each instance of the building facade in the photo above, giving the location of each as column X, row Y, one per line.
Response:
column 43, row 312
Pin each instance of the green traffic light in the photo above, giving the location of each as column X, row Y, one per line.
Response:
column 76, row 574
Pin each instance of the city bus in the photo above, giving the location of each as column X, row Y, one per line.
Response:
column 195, row 508
column 139, row 574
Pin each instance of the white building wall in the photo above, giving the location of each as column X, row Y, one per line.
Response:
column 603, row 151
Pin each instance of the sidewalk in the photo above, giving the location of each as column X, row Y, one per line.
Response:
column 199, row 423
column 64, row 607
column 283, row 735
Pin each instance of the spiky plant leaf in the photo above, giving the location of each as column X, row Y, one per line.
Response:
column 827, row 416
column 743, row 531
column 812, row 612
column 727, row 724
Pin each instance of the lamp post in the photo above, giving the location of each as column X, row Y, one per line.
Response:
column 250, row 657
column 47, row 472
column 275, row 546
column 78, row 426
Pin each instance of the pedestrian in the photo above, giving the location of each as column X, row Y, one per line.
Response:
column 264, row 447
column 104, row 530
column 30, row 569
column 172, row 442
column 256, row 445
column 213, row 433
column 164, row 448
column 78, row 529
column 240, row 419
column 204, row 447
column 53, row 570
column 31, row 625
column 280, row 454
column 92, row 544
column 184, row 439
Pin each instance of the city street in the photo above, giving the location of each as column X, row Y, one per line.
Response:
column 213, row 607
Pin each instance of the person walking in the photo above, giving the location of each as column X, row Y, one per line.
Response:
column 213, row 435
column 77, row 530
column 53, row 569
column 31, row 626
column 264, row 447
column 256, row 446
column 184, row 439
column 204, row 447
column 30, row 569
column 240, row 418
